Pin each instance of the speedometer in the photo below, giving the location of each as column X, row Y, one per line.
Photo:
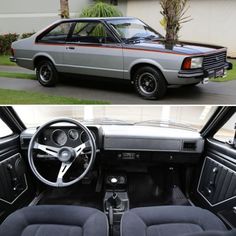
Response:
column 59, row 137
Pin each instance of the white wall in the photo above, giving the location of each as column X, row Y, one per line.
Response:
column 214, row 21
column 30, row 15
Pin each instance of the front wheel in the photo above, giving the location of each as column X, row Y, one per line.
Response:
column 46, row 73
column 150, row 83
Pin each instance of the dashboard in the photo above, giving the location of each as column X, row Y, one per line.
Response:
column 60, row 136
column 125, row 142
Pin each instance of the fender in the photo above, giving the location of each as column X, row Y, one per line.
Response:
column 142, row 61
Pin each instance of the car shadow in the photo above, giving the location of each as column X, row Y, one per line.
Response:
column 125, row 87
column 104, row 84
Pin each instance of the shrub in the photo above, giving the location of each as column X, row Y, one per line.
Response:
column 101, row 9
column 7, row 39
column 26, row 35
column 5, row 42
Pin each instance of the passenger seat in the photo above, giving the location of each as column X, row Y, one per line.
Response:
column 172, row 221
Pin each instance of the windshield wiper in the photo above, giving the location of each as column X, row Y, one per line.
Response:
column 133, row 40
column 138, row 39
column 165, row 124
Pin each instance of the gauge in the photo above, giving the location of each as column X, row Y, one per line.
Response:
column 73, row 134
column 84, row 136
column 59, row 137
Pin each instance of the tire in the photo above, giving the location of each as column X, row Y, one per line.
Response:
column 150, row 83
column 46, row 73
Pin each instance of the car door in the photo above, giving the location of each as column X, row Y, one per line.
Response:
column 52, row 43
column 16, row 189
column 217, row 183
column 92, row 50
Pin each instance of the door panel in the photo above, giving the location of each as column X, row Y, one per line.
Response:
column 216, row 188
column 16, row 189
column 13, row 180
column 96, row 60
column 217, row 182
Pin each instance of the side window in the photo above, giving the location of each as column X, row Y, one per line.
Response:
column 91, row 32
column 58, row 34
column 226, row 133
column 4, row 129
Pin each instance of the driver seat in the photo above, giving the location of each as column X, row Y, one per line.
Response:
column 60, row 220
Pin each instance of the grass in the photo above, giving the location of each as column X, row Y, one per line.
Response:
column 16, row 75
column 5, row 61
column 231, row 74
column 8, row 96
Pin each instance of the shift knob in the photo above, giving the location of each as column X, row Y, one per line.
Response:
column 114, row 181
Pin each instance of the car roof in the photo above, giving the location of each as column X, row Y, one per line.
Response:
column 100, row 18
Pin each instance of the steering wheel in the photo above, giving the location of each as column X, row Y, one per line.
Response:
column 67, row 155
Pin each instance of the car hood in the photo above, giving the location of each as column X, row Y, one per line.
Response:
column 186, row 48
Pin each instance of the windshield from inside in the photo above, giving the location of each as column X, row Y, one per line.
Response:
column 182, row 117
column 131, row 29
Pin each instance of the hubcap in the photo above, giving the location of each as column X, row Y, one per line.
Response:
column 45, row 73
column 147, row 83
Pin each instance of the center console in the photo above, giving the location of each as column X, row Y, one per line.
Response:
column 116, row 200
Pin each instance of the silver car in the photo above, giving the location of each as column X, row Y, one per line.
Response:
column 123, row 48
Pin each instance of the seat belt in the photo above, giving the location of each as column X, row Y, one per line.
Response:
column 234, row 141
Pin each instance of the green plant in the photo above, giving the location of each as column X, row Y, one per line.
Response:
column 101, row 9
column 173, row 12
column 26, row 35
column 5, row 42
column 7, row 39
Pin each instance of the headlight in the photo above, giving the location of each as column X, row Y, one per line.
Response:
column 196, row 62
column 192, row 63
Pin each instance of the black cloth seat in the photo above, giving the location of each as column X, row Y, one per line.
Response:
column 169, row 221
column 54, row 220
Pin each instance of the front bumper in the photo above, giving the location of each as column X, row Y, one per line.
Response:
column 201, row 73
column 12, row 59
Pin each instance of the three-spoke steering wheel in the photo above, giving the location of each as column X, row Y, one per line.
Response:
column 65, row 154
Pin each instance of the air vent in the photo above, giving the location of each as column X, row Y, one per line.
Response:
column 25, row 143
column 189, row 146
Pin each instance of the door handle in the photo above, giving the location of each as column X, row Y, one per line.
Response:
column 70, row 48
column 213, row 180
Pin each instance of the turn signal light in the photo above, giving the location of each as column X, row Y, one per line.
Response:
column 187, row 63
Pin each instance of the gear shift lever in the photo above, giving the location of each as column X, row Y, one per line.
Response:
column 114, row 199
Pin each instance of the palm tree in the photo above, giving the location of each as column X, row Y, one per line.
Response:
column 64, row 9
column 173, row 12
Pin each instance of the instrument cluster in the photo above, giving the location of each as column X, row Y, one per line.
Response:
column 63, row 136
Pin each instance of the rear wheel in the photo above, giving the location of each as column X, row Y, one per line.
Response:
column 46, row 73
column 150, row 83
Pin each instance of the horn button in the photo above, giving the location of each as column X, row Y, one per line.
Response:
column 66, row 154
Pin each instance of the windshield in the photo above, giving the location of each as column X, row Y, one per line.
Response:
column 131, row 29
column 182, row 117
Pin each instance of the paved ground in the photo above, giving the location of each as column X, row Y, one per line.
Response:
column 122, row 93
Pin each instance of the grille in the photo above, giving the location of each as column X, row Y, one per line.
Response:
column 214, row 60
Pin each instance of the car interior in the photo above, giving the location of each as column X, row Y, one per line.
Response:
column 63, row 173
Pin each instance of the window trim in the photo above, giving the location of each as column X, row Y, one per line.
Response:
column 117, row 40
column 222, row 125
column 91, row 43
column 39, row 37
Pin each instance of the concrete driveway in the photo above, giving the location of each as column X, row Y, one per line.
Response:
column 120, row 92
